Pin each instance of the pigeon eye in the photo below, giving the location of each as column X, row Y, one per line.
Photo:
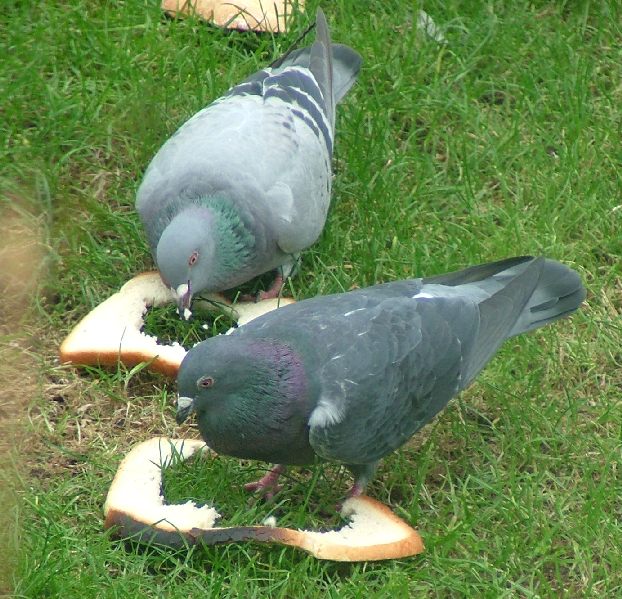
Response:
column 194, row 257
column 205, row 382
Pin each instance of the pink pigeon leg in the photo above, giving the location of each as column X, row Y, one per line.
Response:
column 355, row 490
column 268, row 484
column 363, row 473
column 274, row 290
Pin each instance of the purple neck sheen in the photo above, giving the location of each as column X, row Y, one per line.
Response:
column 288, row 368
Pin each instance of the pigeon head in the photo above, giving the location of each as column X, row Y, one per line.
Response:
column 216, row 377
column 185, row 254
column 240, row 390
column 201, row 247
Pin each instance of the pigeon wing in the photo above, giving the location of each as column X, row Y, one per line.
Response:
column 266, row 144
column 401, row 364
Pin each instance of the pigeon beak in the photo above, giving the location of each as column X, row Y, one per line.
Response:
column 184, row 299
column 184, row 407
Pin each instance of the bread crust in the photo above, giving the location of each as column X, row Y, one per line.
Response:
column 255, row 15
column 374, row 532
column 111, row 332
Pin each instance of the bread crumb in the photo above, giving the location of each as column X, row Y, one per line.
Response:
column 270, row 521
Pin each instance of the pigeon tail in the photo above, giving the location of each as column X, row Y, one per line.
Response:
column 321, row 64
column 558, row 293
column 480, row 273
column 346, row 67
column 529, row 294
column 345, row 64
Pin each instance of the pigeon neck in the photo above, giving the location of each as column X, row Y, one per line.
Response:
column 275, row 399
column 285, row 371
column 233, row 240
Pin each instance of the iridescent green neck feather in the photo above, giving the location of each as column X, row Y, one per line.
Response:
column 214, row 230
column 233, row 240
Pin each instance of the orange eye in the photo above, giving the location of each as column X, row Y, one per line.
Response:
column 193, row 258
column 205, row 382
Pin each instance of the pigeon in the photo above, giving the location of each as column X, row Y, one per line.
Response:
column 350, row 377
column 244, row 185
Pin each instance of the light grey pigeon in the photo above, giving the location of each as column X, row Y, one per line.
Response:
column 244, row 185
column 351, row 377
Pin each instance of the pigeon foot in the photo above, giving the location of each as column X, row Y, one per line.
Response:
column 268, row 485
column 355, row 490
column 273, row 292
column 275, row 289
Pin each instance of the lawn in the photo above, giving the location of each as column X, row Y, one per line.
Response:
column 503, row 141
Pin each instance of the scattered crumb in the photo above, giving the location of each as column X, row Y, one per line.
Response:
column 187, row 313
column 270, row 521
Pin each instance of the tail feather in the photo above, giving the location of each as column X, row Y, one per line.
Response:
column 498, row 315
column 321, row 64
column 346, row 64
column 523, row 294
column 559, row 293
column 479, row 273
column 346, row 67
column 559, row 290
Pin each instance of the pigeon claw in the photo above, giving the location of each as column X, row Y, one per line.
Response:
column 267, row 485
column 272, row 293
column 355, row 490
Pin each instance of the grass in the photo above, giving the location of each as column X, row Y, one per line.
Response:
column 164, row 323
column 504, row 141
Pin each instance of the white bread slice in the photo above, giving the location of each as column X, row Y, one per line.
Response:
column 111, row 332
column 135, row 508
column 245, row 15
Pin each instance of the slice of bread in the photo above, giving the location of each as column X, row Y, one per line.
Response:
column 245, row 15
column 111, row 332
column 135, row 509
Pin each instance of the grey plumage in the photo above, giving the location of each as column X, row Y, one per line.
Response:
column 351, row 377
column 245, row 183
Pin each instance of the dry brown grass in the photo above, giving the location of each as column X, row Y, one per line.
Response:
column 22, row 255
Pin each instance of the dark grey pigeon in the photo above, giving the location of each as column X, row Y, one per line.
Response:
column 244, row 185
column 351, row 377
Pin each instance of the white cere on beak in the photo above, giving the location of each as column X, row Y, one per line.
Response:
column 184, row 403
column 187, row 314
column 182, row 290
